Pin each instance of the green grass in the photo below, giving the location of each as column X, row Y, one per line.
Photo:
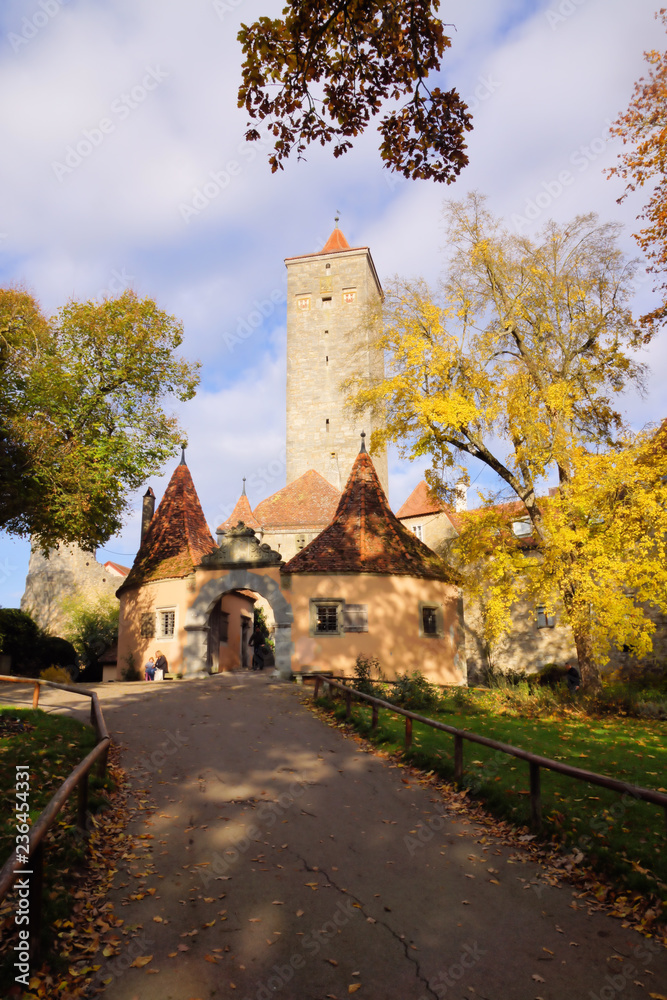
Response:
column 625, row 838
column 51, row 750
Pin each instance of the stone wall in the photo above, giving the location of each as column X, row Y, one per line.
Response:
column 329, row 297
column 64, row 573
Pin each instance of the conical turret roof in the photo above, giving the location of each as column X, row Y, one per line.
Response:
column 242, row 512
column 336, row 242
column 177, row 537
column 366, row 537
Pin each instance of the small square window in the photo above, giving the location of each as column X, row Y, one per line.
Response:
column 417, row 530
column 545, row 620
column 166, row 623
column 430, row 621
column 327, row 302
column 327, row 618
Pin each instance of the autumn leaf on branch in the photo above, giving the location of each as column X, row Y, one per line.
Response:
column 643, row 128
column 335, row 64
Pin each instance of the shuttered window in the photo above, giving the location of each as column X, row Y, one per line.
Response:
column 355, row 617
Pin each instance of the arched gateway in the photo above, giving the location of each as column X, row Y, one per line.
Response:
column 238, row 577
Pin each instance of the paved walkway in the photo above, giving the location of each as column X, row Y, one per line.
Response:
column 285, row 861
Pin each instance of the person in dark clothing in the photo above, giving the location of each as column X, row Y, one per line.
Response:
column 257, row 642
column 161, row 663
column 573, row 678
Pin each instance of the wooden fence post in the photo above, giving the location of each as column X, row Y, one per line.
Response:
column 35, row 695
column 102, row 763
column 535, row 797
column 348, row 704
column 458, row 758
column 36, row 888
column 82, row 812
column 318, row 681
column 374, row 718
column 408, row 732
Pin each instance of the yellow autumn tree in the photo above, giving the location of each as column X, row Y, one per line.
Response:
column 643, row 129
column 516, row 360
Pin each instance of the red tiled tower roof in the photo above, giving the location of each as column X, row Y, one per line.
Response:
column 336, row 242
column 242, row 512
column 365, row 537
column 307, row 502
column 177, row 537
column 420, row 502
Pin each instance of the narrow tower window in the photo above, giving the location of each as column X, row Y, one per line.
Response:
column 327, row 425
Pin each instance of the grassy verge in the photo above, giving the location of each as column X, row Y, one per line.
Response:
column 618, row 835
column 51, row 747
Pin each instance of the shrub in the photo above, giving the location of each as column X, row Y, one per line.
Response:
column 551, row 675
column 463, row 700
column 364, row 669
column 130, row 672
column 412, row 690
column 57, row 674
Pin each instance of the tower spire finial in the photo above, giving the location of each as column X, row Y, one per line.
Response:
column 362, row 450
column 244, row 492
column 337, row 217
column 184, row 445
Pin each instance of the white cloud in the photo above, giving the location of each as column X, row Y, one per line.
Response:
column 552, row 85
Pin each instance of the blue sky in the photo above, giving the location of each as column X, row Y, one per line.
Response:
column 543, row 80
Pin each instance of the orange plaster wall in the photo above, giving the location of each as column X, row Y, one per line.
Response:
column 393, row 626
column 234, row 605
column 180, row 594
column 149, row 598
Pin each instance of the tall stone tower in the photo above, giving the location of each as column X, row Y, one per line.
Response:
column 329, row 297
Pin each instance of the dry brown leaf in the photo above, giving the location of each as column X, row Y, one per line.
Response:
column 141, row 960
column 537, row 979
column 332, row 961
column 354, row 987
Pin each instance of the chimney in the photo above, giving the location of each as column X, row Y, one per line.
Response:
column 461, row 502
column 147, row 511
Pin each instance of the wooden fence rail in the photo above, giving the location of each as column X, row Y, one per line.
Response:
column 535, row 762
column 76, row 780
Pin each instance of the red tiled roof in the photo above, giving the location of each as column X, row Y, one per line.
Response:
column 365, row 537
column 117, row 568
column 177, row 537
column 307, row 502
column 242, row 512
column 420, row 502
column 335, row 242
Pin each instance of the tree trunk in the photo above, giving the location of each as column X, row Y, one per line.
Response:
column 588, row 668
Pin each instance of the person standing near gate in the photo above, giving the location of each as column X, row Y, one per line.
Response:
column 161, row 666
column 257, row 642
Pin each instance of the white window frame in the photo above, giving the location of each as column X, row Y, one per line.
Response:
column 418, row 531
column 159, row 623
column 334, row 602
column 439, row 620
